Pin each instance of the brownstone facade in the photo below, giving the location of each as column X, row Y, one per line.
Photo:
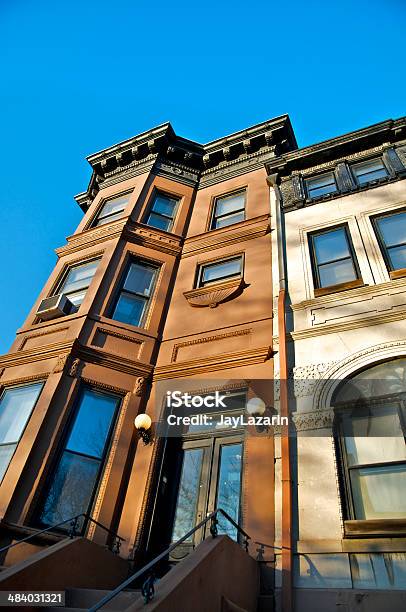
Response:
column 218, row 331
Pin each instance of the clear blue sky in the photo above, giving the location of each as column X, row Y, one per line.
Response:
column 79, row 76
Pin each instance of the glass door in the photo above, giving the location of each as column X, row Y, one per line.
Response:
column 210, row 478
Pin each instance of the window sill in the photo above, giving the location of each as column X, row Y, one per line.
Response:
column 215, row 294
column 397, row 273
column 336, row 288
column 375, row 528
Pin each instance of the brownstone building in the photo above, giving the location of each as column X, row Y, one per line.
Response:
column 171, row 281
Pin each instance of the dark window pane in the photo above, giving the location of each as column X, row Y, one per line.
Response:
column 369, row 171
column 159, row 222
column 331, row 246
column 379, row 492
column 15, row 409
column 92, row 424
column 397, row 257
column 393, row 229
column 229, row 204
column 230, row 219
column 229, row 487
column 115, row 205
column 338, row 272
column 164, row 205
column 188, row 495
column 140, row 279
column 130, row 309
column 231, row 267
column 321, row 185
column 109, row 219
column 6, row 453
column 78, row 280
column 373, row 438
column 71, row 489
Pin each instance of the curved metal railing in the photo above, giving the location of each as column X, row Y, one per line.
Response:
column 148, row 586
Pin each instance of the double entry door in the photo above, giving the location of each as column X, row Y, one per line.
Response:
column 210, row 477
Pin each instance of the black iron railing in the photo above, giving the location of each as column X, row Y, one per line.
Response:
column 73, row 531
column 148, row 589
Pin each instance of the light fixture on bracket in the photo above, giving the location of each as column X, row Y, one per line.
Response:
column 256, row 407
column 143, row 424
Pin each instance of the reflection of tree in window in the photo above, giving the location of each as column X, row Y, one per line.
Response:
column 71, row 489
column 188, row 494
column 229, row 485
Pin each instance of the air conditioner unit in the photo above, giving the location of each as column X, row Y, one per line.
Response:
column 55, row 306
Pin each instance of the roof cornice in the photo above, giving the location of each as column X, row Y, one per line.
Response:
column 391, row 130
column 160, row 146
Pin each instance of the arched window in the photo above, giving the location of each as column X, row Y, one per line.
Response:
column 370, row 411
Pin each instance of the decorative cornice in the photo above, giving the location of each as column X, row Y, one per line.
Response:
column 154, row 238
column 101, row 385
column 329, row 298
column 39, row 353
column 209, row 364
column 23, row 379
column 214, row 294
column 114, row 362
column 163, row 152
column 334, row 328
column 238, row 332
column 313, row 420
column 245, row 230
column 92, row 236
column 175, row 171
column 388, row 131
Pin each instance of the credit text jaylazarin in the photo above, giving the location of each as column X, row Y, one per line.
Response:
column 241, row 420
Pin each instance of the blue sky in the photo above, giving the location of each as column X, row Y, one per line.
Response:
column 79, row 76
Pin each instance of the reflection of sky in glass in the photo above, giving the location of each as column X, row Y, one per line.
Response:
column 331, row 246
column 130, row 309
column 230, row 204
column 224, row 269
column 75, row 477
column 393, row 229
column 92, row 424
column 188, row 494
column 139, row 279
column 229, row 487
column 15, row 408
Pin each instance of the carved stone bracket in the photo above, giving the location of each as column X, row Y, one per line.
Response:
column 61, row 363
column 139, row 386
column 314, row 420
column 75, row 367
column 215, row 294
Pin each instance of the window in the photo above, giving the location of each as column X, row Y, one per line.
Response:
column 368, row 171
column 321, row 185
column 333, row 258
column 371, row 412
column 224, row 270
column 77, row 281
column 74, row 479
column 135, row 295
column 16, row 406
column 391, row 231
column 162, row 212
column 111, row 210
column 228, row 210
